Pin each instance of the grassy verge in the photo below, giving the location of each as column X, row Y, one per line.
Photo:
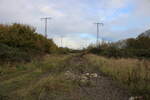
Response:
column 38, row 80
column 132, row 73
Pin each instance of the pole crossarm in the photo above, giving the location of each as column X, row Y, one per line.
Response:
column 46, row 19
column 98, row 24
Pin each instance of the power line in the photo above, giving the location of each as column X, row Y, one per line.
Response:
column 98, row 24
column 46, row 19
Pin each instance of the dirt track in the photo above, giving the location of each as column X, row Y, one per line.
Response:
column 35, row 85
column 104, row 89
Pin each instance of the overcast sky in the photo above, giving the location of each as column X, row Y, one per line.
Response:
column 73, row 19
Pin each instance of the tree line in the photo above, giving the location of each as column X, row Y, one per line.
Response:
column 133, row 47
column 20, row 42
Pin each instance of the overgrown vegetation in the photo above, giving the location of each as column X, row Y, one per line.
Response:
column 21, row 42
column 37, row 80
column 130, row 48
column 134, row 74
column 46, row 79
column 25, row 78
column 41, row 80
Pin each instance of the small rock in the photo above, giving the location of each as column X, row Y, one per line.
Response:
column 131, row 98
column 70, row 75
column 94, row 75
column 87, row 74
column 83, row 77
column 136, row 98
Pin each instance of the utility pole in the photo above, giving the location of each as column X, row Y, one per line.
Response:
column 98, row 24
column 61, row 41
column 46, row 19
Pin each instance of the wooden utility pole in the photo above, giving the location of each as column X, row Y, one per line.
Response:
column 98, row 24
column 46, row 19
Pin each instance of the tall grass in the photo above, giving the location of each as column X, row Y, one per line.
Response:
column 132, row 73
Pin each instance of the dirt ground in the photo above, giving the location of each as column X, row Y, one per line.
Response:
column 104, row 87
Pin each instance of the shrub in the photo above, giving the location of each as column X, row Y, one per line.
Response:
column 21, row 42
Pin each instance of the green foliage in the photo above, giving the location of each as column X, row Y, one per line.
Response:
column 21, row 42
column 64, row 50
column 139, row 43
column 137, row 48
column 14, row 54
column 36, row 80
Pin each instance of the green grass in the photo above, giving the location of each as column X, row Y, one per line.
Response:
column 34, row 80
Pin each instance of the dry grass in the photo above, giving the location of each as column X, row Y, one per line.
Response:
column 132, row 73
column 42, row 80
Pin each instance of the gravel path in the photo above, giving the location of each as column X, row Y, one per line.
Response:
column 104, row 89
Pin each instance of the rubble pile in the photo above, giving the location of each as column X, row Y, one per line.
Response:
column 83, row 79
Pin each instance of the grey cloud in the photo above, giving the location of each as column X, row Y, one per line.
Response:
column 74, row 17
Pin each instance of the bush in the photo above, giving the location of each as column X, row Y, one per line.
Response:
column 20, row 42
column 12, row 54
column 136, row 48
